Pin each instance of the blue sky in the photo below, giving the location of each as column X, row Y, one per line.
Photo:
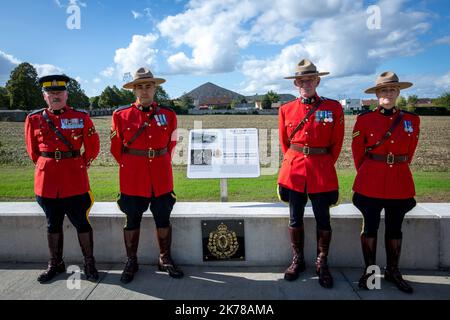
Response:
column 247, row 46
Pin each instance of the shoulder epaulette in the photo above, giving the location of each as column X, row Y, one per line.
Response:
column 325, row 98
column 365, row 112
column 80, row 110
column 122, row 108
column 409, row 112
column 166, row 107
column 32, row 113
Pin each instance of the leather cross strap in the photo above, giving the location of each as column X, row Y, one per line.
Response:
column 302, row 123
column 56, row 131
column 151, row 153
column 388, row 133
column 307, row 150
column 58, row 155
column 142, row 127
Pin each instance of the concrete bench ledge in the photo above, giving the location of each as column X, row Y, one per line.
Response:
column 426, row 234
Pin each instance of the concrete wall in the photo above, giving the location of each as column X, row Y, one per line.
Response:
column 426, row 235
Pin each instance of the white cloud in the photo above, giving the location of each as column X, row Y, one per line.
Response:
column 136, row 15
column 343, row 45
column 139, row 53
column 47, row 69
column 108, row 72
column 97, row 80
column 443, row 40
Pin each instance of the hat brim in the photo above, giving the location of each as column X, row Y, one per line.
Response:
column 308, row 75
column 60, row 88
column 130, row 85
column 400, row 85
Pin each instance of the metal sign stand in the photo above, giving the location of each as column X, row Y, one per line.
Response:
column 223, row 190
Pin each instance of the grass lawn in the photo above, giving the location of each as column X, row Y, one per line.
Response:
column 17, row 185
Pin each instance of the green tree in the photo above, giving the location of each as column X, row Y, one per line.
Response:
column 109, row 98
column 273, row 96
column 186, row 102
column 266, row 103
column 4, row 98
column 443, row 100
column 401, row 102
column 94, row 102
column 77, row 98
column 126, row 97
column 161, row 95
column 412, row 100
column 24, row 89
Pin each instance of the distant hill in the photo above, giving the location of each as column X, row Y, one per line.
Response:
column 260, row 97
column 209, row 93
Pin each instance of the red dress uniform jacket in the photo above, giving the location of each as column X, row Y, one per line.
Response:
column 142, row 176
column 314, row 173
column 66, row 177
column 378, row 179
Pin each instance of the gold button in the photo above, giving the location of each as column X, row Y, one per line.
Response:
column 409, row 135
column 148, row 115
column 371, row 134
column 128, row 129
column 121, row 165
column 81, row 167
column 306, row 132
column 390, row 118
column 150, row 137
column 392, row 141
column 57, row 139
column 150, row 160
column 324, row 124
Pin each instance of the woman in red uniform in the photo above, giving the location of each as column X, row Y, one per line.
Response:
column 384, row 142
column 311, row 134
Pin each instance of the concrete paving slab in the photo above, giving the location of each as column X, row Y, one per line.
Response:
column 427, row 285
column 18, row 282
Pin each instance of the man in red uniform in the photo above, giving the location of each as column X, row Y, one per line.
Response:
column 384, row 142
column 54, row 138
column 143, row 137
column 311, row 136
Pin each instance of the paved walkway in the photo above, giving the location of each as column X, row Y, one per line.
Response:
column 18, row 281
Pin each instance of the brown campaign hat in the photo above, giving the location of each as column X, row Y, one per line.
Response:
column 143, row 75
column 306, row 68
column 387, row 79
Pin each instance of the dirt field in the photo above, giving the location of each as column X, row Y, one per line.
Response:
column 433, row 153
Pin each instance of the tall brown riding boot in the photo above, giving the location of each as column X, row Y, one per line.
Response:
column 131, row 239
column 297, row 236
column 86, row 240
column 165, row 262
column 323, row 245
column 369, row 249
column 56, row 264
column 392, row 273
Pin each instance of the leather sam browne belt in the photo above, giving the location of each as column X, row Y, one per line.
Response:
column 151, row 153
column 388, row 158
column 58, row 155
column 308, row 150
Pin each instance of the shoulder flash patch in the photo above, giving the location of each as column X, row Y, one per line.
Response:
column 355, row 134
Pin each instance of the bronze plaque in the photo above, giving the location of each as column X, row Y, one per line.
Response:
column 223, row 240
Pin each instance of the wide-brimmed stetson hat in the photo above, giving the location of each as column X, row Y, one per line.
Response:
column 143, row 75
column 306, row 68
column 388, row 79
